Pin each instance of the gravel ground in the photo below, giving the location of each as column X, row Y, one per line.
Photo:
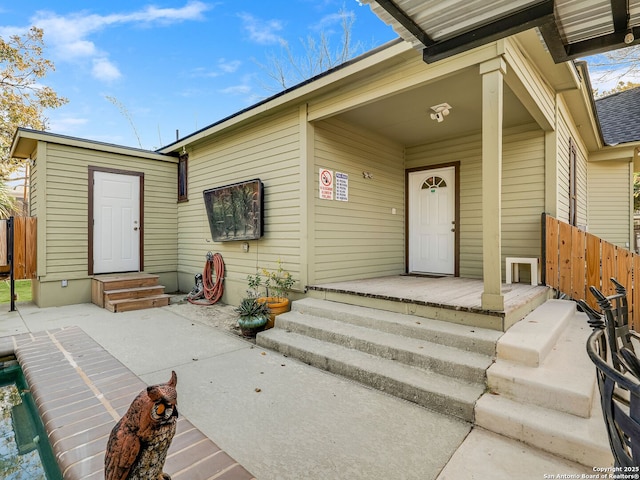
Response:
column 219, row 315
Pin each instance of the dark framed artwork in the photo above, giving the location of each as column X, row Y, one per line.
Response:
column 235, row 212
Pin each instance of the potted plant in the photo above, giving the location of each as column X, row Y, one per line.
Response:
column 253, row 316
column 277, row 285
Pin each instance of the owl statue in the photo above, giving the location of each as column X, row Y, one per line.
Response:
column 138, row 444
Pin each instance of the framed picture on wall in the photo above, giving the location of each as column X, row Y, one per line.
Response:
column 235, row 212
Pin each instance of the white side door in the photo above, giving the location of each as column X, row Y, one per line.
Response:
column 116, row 223
column 432, row 221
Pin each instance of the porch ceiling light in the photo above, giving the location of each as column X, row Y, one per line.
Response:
column 629, row 38
column 440, row 111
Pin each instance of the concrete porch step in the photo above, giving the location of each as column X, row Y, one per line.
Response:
column 463, row 337
column 581, row 440
column 416, row 352
column 435, row 364
column 564, row 380
column 542, row 387
column 421, row 386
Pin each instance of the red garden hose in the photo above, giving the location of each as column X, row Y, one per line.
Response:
column 213, row 289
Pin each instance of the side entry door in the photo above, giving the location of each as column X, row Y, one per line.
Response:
column 116, row 222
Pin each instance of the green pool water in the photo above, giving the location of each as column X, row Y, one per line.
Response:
column 25, row 453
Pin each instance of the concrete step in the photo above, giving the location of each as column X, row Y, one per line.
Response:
column 463, row 337
column 542, row 387
column 424, row 387
column 529, row 341
column 564, row 380
column 416, row 352
column 129, row 304
column 581, row 440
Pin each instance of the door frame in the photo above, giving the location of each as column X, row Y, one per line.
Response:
column 456, row 201
column 140, row 175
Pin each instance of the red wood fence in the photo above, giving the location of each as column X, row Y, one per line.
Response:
column 574, row 260
column 24, row 247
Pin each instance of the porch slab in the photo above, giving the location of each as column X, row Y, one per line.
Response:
column 451, row 299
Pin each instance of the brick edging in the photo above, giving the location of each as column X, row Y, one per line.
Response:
column 80, row 391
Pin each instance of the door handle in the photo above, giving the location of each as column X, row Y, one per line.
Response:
column 135, row 229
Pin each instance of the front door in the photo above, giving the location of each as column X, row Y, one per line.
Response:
column 116, row 222
column 432, row 221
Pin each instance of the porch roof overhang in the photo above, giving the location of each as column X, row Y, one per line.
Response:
column 25, row 143
column 442, row 28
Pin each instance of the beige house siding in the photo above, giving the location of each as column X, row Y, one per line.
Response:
column 362, row 237
column 269, row 150
column 522, row 192
column 566, row 131
column 609, row 201
column 64, row 220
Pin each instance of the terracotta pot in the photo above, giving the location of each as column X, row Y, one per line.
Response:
column 277, row 305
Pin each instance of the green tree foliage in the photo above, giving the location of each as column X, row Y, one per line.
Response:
column 22, row 99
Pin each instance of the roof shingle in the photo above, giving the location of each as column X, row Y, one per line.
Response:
column 618, row 116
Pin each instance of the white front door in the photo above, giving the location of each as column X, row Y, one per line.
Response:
column 116, row 222
column 432, row 221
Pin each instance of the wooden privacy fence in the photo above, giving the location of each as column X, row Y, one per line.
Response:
column 24, row 248
column 574, row 260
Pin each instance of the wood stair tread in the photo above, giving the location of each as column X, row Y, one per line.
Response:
column 133, row 289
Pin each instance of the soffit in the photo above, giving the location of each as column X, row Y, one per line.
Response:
column 405, row 117
column 570, row 28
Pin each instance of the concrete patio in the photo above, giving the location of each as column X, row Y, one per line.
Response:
column 282, row 419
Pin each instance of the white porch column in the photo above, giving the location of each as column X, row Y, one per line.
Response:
column 492, row 73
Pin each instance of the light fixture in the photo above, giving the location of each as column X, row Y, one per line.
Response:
column 629, row 38
column 440, row 111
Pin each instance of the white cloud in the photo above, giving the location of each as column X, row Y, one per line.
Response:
column 236, row 90
column 229, row 66
column 69, row 36
column 261, row 31
column 104, row 70
column 67, row 124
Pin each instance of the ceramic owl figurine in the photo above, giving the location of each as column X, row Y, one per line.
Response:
column 138, row 444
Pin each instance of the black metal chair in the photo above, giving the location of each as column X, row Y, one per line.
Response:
column 615, row 309
column 621, row 415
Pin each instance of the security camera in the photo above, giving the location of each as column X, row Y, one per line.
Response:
column 440, row 111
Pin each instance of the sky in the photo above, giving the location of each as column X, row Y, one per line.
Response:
column 135, row 72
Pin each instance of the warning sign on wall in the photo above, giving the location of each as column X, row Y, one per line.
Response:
column 342, row 187
column 326, row 184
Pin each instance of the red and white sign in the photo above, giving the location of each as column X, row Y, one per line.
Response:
column 326, row 184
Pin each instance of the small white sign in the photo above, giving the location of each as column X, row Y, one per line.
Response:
column 342, row 187
column 326, row 184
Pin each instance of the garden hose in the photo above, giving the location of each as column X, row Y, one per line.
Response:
column 212, row 279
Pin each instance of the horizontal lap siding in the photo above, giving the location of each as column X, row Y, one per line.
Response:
column 522, row 192
column 67, row 209
column 565, row 133
column 359, row 238
column 269, row 150
column 609, row 197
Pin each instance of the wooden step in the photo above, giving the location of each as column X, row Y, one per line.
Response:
column 121, row 281
column 129, row 304
column 136, row 292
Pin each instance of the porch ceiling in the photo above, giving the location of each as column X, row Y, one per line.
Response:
column 405, row 117
column 571, row 29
